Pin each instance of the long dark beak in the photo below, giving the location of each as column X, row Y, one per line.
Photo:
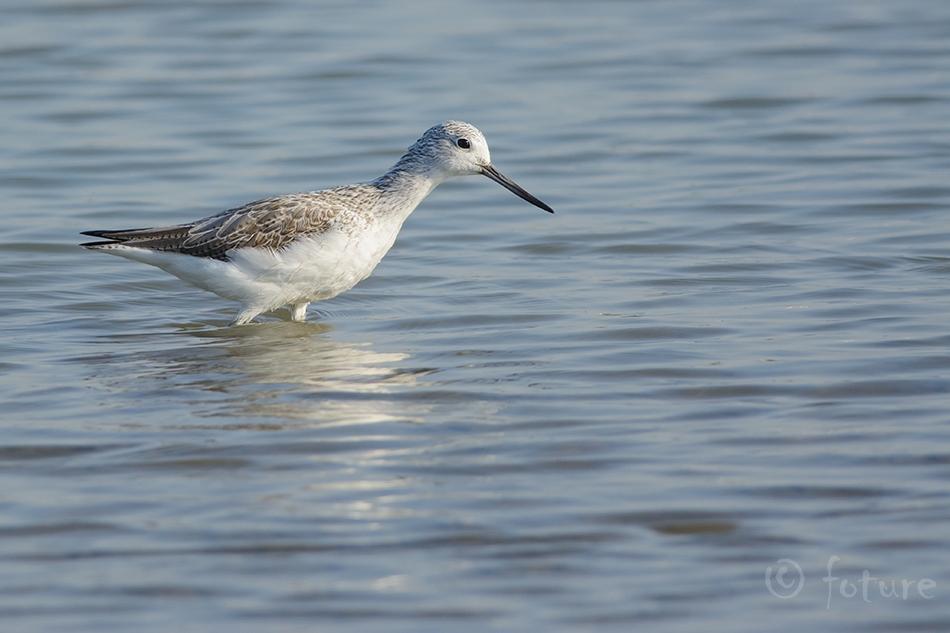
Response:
column 511, row 186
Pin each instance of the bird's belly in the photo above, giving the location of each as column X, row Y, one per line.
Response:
column 311, row 268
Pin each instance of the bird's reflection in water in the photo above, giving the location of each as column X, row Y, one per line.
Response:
column 292, row 374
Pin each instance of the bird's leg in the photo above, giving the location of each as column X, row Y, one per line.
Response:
column 244, row 316
column 299, row 311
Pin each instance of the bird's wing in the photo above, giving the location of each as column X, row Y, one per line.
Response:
column 270, row 222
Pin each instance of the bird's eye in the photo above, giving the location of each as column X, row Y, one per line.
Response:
column 463, row 143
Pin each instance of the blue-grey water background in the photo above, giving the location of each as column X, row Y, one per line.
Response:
column 724, row 356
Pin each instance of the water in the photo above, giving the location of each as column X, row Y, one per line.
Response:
column 727, row 349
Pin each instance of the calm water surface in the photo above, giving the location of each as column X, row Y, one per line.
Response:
column 724, row 361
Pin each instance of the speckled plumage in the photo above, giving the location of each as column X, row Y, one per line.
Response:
column 302, row 247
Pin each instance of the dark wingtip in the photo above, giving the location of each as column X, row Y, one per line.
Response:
column 109, row 237
column 102, row 234
column 106, row 235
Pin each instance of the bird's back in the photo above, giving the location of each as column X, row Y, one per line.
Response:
column 271, row 223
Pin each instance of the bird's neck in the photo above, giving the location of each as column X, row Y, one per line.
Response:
column 404, row 186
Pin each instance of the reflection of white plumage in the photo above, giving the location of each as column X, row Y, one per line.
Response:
column 303, row 247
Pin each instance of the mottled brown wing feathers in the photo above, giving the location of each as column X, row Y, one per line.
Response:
column 271, row 222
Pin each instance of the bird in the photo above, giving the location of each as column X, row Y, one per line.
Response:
column 294, row 249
